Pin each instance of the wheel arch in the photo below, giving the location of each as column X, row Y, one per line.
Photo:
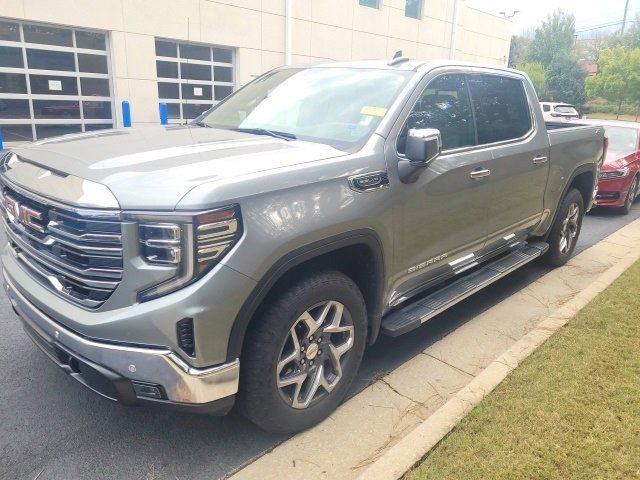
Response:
column 584, row 180
column 358, row 254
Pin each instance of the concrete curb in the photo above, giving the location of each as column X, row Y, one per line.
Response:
column 415, row 445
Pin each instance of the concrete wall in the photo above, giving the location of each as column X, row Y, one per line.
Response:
column 322, row 30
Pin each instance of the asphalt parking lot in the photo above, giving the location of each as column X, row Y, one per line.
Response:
column 52, row 428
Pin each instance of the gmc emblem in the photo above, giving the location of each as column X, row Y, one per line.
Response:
column 22, row 214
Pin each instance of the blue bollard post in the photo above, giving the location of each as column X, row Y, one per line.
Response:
column 164, row 114
column 126, row 113
column 1, row 141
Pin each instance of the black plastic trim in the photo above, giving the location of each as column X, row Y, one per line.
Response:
column 299, row 256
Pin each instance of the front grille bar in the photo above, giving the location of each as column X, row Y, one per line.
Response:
column 79, row 257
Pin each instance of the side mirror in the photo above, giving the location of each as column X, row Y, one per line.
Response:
column 423, row 147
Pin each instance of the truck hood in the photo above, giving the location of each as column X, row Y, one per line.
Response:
column 154, row 167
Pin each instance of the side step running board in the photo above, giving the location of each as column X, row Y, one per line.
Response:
column 415, row 314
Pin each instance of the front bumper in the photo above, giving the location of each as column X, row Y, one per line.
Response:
column 129, row 375
column 613, row 192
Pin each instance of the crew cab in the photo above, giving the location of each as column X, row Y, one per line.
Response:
column 251, row 256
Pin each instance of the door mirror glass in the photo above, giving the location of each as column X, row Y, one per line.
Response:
column 423, row 145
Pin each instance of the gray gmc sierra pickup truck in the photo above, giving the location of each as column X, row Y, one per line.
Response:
column 251, row 255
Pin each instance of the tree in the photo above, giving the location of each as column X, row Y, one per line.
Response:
column 538, row 76
column 519, row 50
column 619, row 77
column 553, row 46
column 555, row 38
column 631, row 37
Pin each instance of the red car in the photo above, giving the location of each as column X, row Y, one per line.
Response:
column 619, row 183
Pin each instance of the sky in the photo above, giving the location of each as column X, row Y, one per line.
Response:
column 588, row 13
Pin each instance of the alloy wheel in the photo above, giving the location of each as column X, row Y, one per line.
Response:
column 569, row 229
column 633, row 192
column 314, row 354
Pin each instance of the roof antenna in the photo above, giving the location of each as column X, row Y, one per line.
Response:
column 397, row 59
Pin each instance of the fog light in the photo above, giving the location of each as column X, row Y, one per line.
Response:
column 147, row 390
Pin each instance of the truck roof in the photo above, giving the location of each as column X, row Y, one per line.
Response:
column 407, row 65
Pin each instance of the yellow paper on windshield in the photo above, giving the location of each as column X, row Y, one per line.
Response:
column 373, row 111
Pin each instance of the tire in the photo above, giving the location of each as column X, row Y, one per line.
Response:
column 280, row 332
column 559, row 251
column 631, row 197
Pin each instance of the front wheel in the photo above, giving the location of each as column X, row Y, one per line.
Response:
column 303, row 352
column 565, row 230
column 631, row 196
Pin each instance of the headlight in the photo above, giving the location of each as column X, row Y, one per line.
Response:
column 188, row 244
column 619, row 173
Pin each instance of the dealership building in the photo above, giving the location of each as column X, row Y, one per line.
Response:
column 66, row 65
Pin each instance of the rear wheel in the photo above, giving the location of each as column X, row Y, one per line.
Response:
column 303, row 352
column 631, row 197
column 565, row 230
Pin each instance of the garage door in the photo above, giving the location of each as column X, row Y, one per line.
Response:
column 53, row 81
column 192, row 77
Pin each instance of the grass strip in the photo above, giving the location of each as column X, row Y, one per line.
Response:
column 570, row 411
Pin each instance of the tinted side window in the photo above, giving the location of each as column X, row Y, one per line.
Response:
column 444, row 105
column 546, row 108
column 501, row 108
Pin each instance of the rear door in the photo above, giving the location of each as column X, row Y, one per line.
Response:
column 506, row 125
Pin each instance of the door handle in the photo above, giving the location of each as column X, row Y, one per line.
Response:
column 480, row 173
column 539, row 160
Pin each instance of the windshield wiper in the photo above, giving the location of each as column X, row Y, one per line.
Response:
column 202, row 124
column 263, row 131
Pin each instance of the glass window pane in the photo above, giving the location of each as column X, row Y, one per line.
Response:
column 223, row 74
column 197, row 92
column 10, row 108
column 222, row 91
column 501, row 108
column 195, row 52
column 11, row 57
column 168, row 90
column 52, row 85
column 9, row 31
column 167, row 69
column 46, row 131
column 166, row 49
column 92, row 40
column 50, row 60
column 16, row 133
column 97, row 126
column 444, row 105
column 370, row 3
column 223, row 55
column 92, row 63
column 173, row 110
column 96, row 109
column 48, row 35
column 56, row 109
column 193, row 110
column 195, row 72
column 413, row 8
column 94, row 87
column 13, row 83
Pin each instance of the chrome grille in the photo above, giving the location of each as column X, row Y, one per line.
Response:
column 76, row 253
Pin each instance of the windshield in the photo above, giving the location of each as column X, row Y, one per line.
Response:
column 566, row 109
column 622, row 139
column 337, row 106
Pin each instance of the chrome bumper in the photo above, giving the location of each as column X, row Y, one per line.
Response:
column 124, row 368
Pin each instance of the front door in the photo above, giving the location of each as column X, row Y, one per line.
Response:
column 440, row 219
